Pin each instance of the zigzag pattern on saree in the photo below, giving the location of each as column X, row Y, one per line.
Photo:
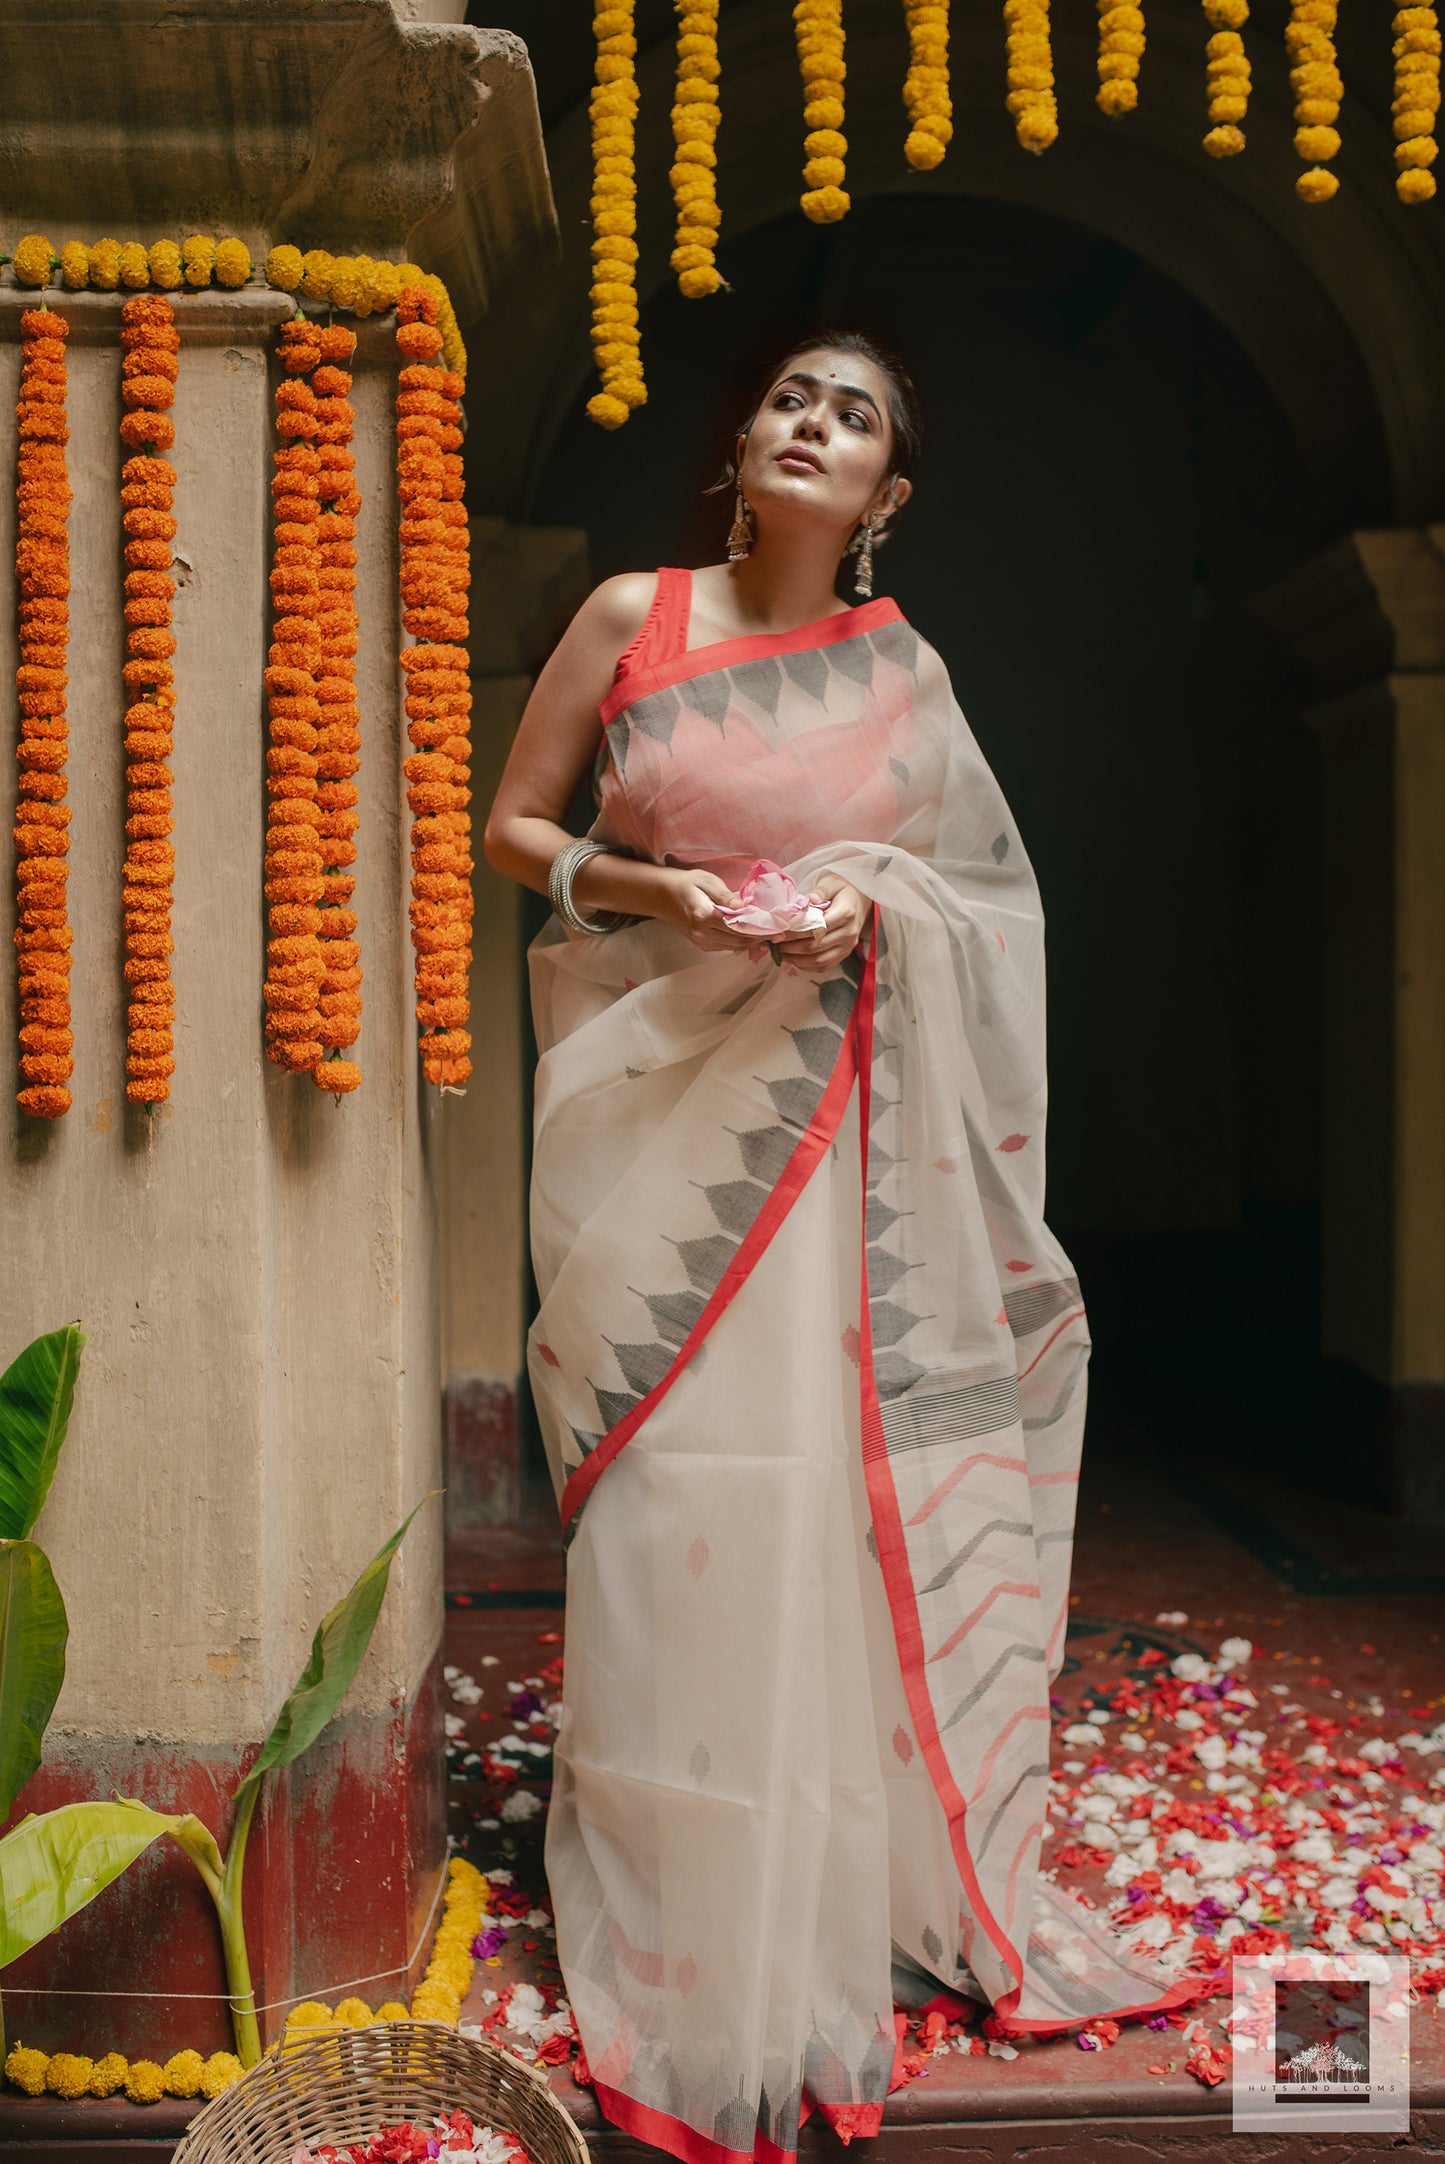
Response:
column 755, row 686
column 734, row 1204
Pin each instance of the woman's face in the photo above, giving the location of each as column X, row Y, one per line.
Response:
column 820, row 445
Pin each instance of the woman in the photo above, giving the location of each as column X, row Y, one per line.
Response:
column 816, row 1461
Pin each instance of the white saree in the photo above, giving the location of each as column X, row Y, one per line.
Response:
column 811, row 1371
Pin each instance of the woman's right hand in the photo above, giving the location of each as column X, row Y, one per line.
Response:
column 686, row 899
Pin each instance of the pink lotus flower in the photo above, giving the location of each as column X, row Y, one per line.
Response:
column 770, row 905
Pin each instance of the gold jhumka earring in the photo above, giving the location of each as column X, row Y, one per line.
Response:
column 740, row 533
column 862, row 545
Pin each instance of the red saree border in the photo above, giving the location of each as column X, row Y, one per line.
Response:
column 893, row 1545
column 791, row 1181
column 758, row 646
column 908, row 1631
column 676, row 2137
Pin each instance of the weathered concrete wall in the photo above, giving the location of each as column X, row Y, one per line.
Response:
column 255, row 1266
column 525, row 583
column 351, row 125
column 1367, row 618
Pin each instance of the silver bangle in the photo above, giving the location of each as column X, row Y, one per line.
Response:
column 559, row 888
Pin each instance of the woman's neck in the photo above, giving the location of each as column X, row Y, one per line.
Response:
column 785, row 580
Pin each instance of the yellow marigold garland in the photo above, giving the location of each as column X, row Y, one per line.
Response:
column 1031, row 97
column 1416, row 101
column 1121, row 47
column 151, row 345
column 71, row 2074
column 338, row 742
column 1318, row 88
column 434, row 581
column 1228, row 73
column 694, row 131
column 818, row 30
column 361, row 284
column 439, row 1995
column 42, row 570
column 112, row 263
column 925, row 90
column 613, row 113
column 294, row 883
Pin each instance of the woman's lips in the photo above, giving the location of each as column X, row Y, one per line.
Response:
column 806, row 460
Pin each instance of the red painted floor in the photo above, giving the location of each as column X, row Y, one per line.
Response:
column 1233, row 1560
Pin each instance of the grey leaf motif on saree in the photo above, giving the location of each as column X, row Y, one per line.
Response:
column 897, row 643
column 809, row 671
column 699, row 1763
column 818, row 1049
column 643, row 1365
column 656, row 715
column 853, row 658
column 734, row 1203
column 710, row 695
column 795, row 1099
column 759, row 681
column 705, row 1260
column 765, row 1150
column 673, row 1313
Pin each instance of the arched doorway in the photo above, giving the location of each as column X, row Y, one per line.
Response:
column 1109, row 479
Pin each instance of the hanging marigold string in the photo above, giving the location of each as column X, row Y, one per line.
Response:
column 925, row 90
column 151, row 345
column 694, row 133
column 1121, row 47
column 1228, row 74
column 294, row 884
column 1031, row 97
column 434, row 582
column 338, row 739
column 613, row 111
column 1318, row 88
column 42, row 816
column 1416, row 101
column 818, row 29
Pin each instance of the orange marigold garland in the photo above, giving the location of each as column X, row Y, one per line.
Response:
column 434, row 582
column 1416, row 101
column 42, row 569
column 295, row 965
column 151, row 344
column 1229, row 75
column 338, row 740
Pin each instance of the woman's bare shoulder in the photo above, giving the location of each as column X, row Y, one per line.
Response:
column 617, row 608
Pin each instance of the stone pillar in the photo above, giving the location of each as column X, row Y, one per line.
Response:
column 255, row 1266
column 525, row 583
column 1367, row 617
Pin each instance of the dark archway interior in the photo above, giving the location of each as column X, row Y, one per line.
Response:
column 1105, row 483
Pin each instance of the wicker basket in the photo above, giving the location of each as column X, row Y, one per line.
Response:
column 345, row 2086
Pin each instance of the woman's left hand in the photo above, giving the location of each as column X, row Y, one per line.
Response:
column 845, row 912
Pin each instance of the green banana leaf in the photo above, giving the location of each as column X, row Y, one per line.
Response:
column 52, row 1865
column 336, row 1651
column 33, row 1631
column 35, row 1396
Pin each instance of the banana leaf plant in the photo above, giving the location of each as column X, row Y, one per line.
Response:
column 54, row 1864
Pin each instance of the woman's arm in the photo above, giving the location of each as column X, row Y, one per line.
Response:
column 554, row 747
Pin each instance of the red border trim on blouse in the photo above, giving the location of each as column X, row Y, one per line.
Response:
column 758, row 646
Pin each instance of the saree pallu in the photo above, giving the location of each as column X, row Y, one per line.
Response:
column 811, row 1372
